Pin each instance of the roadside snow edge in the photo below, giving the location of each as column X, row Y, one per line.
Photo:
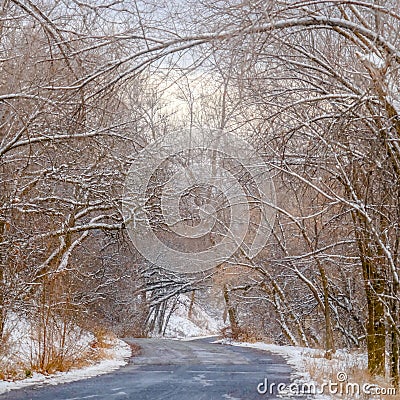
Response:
column 120, row 352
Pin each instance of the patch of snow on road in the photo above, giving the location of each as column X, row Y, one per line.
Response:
column 229, row 397
column 118, row 353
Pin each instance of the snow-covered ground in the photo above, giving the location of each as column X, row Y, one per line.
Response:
column 197, row 323
column 24, row 342
column 24, row 346
column 117, row 356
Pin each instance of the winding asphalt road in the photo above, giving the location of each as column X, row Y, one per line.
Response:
column 175, row 370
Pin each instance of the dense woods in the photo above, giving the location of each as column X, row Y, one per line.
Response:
column 313, row 86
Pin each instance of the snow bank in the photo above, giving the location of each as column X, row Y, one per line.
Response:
column 185, row 324
column 118, row 355
column 24, row 342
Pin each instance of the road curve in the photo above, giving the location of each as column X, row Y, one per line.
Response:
column 175, row 370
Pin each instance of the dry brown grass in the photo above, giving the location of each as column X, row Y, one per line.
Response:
column 103, row 338
column 136, row 349
column 13, row 367
column 354, row 365
column 242, row 334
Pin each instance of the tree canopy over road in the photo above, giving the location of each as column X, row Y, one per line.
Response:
column 312, row 85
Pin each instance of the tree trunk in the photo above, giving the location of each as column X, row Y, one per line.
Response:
column 2, row 305
column 329, row 340
column 376, row 332
column 190, row 311
column 394, row 357
column 374, row 288
column 374, row 283
column 231, row 314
